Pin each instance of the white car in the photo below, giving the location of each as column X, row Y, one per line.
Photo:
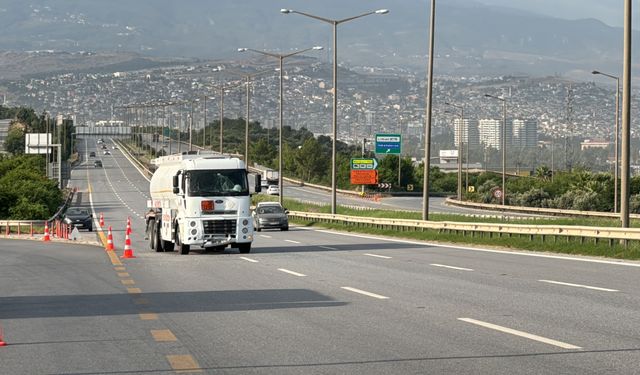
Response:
column 273, row 190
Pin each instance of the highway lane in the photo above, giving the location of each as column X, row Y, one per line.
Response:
column 312, row 301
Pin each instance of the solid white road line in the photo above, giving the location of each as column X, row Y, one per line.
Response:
column 506, row 252
column 291, row 272
column 265, row 236
column 364, row 292
column 579, row 286
column 376, row 256
column 327, row 247
column 249, row 259
column 520, row 334
column 292, row 241
column 451, row 267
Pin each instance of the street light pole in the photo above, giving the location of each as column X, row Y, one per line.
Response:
column 280, row 58
column 504, row 144
column 334, row 121
column 427, row 127
column 626, row 117
column 616, row 131
column 221, row 115
column 460, row 146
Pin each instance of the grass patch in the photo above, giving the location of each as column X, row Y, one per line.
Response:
column 550, row 244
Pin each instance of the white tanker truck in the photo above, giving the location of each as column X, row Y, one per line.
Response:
column 200, row 200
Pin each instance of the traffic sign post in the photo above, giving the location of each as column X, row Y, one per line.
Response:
column 364, row 177
column 364, row 164
column 389, row 144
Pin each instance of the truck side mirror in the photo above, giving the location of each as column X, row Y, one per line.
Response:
column 176, row 186
column 258, row 184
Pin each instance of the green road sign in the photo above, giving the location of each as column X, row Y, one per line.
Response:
column 364, row 164
column 388, row 143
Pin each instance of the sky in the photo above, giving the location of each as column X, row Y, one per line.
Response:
column 607, row 11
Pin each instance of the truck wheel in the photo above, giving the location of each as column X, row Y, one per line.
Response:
column 244, row 248
column 151, row 234
column 184, row 249
column 157, row 242
column 167, row 245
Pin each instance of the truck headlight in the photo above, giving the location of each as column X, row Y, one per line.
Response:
column 245, row 222
column 245, row 230
column 192, row 224
column 194, row 232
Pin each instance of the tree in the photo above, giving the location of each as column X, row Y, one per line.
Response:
column 14, row 143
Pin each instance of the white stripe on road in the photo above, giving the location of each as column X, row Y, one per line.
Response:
column 579, row 286
column 292, row 241
column 265, row 236
column 327, row 247
column 364, row 292
column 291, row 272
column 249, row 259
column 520, row 333
column 376, row 256
column 451, row 267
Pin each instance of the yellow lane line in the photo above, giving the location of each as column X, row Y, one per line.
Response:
column 123, row 274
column 114, row 258
column 128, row 282
column 163, row 335
column 134, row 290
column 119, row 268
column 183, row 363
column 148, row 316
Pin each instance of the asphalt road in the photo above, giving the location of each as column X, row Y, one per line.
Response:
column 307, row 301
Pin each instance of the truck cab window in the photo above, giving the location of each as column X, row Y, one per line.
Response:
column 217, row 182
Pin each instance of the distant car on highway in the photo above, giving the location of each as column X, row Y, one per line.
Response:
column 273, row 190
column 106, row 152
column 92, row 154
column 270, row 215
column 97, row 163
column 79, row 217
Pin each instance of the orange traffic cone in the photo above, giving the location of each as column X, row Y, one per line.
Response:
column 128, row 225
column 101, row 220
column 46, row 232
column 109, row 240
column 128, row 252
column 2, row 342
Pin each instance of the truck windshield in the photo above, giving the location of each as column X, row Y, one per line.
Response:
column 217, row 182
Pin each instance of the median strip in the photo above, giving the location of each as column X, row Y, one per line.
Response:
column 526, row 335
column 579, row 286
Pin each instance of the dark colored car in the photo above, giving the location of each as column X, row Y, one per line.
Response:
column 270, row 215
column 79, row 217
column 97, row 163
column 92, row 154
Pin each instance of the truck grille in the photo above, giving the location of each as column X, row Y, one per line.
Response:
column 219, row 226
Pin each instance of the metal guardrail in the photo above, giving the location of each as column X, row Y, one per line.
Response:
column 610, row 233
column 536, row 210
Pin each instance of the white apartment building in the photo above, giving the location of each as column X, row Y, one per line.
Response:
column 468, row 130
column 519, row 133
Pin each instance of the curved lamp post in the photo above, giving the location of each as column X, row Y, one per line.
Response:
column 335, row 24
column 280, row 58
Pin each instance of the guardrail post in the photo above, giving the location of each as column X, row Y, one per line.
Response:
column 8, row 231
column 19, row 225
column 30, row 229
